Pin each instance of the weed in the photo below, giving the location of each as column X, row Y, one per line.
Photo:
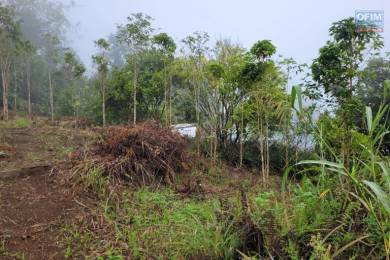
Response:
column 159, row 224
column 16, row 123
column 96, row 181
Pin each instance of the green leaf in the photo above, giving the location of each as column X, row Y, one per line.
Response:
column 385, row 173
column 322, row 162
column 386, row 85
column 285, row 178
column 369, row 118
column 293, row 96
column 380, row 194
column 299, row 95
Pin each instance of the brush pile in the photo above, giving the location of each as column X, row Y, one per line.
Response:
column 141, row 154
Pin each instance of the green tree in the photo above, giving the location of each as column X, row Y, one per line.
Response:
column 231, row 91
column 291, row 69
column 52, row 54
column 370, row 88
column 136, row 34
column 263, row 50
column 221, row 93
column 10, row 38
column 267, row 101
column 372, row 92
column 22, row 73
column 338, row 66
column 102, row 62
column 197, row 47
column 166, row 45
column 74, row 70
column 210, row 103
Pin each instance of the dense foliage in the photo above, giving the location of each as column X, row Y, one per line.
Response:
column 336, row 184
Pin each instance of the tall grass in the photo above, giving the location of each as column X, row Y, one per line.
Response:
column 148, row 224
column 366, row 180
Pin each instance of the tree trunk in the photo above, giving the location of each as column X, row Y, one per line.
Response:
column 211, row 147
column 166, row 83
column 262, row 150
column 135, row 95
column 166, row 103
column 170, row 99
column 260, row 131
column 242, row 135
column 28, row 79
column 197, row 112
column 51, row 98
column 77, row 117
column 104, row 103
column 198, row 126
column 215, row 147
column 286, row 142
column 78, row 105
column 267, row 148
column 5, row 93
column 15, row 89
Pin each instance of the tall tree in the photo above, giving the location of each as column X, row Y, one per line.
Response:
column 9, row 41
column 52, row 54
column 230, row 89
column 338, row 66
column 136, row 34
column 102, row 62
column 266, row 97
column 197, row 47
column 74, row 70
column 27, row 53
column 291, row 69
column 167, row 47
column 211, row 102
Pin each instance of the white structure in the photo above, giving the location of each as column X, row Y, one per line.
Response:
column 187, row 130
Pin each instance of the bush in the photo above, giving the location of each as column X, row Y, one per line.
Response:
column 292, row 220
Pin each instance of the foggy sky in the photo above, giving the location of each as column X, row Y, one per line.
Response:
column 298, row 28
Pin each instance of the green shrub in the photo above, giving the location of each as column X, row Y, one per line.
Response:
column 296, row 217
column 16, row 123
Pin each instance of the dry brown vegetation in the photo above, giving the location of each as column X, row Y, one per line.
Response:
column 140, row 154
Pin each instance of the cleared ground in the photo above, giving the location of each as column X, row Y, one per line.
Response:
column 44, row 215
column 34, row 205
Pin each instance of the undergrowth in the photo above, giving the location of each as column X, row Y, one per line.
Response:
column 154, row 224
column 16, row 123
column 327, row 210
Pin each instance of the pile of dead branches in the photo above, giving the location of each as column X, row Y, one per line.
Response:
column 141, row 154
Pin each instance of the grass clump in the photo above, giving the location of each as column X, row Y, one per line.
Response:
column 19, row 122
column 159, row 224
column 291, row 222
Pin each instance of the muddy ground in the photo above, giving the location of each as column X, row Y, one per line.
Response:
column 33, row 204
